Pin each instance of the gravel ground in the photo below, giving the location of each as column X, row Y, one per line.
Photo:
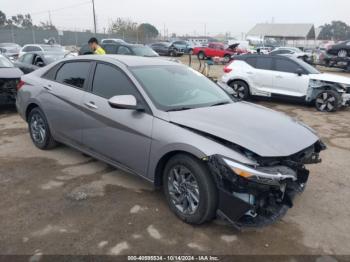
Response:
column 63, row 202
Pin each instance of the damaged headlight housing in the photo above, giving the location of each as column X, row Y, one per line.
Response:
column 261, row 174
column 315, row 83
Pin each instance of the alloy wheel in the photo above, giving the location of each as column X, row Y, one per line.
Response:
column 239, row 91
column 183, row 190
column 326, row 102
column 38, row 128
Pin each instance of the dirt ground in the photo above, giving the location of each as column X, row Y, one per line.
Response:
column 62, row 202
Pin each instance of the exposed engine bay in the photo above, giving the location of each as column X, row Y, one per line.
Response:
column 255, row 196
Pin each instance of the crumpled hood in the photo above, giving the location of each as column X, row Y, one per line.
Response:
column 331, row 78
column 258, row 129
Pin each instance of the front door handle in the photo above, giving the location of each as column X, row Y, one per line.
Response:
column 91, row 105
column 48, row 88
column 249, row 73
column 279, row 77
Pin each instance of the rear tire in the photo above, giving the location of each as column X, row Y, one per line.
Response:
column 39, row 130
column 201, row 56
column 190, row 189
column 227, row 58
column 241, row 89
column 327, row 101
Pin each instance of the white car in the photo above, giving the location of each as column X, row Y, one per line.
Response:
column 286, row 77
column 112, row 41
column 293, row 51
column 41, row 48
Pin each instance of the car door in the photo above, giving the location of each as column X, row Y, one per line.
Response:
column 119, row 135
column 62, row 99
column 25, row 63
column 286, row 79
column 262, row 76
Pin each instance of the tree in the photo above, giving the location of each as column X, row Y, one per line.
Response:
column 148, row 30
column 2, row 18
column 336, row 30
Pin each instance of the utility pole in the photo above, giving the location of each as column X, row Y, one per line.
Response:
column 50, row 20
column 94, row 13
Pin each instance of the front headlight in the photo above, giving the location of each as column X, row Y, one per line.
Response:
column 262, row 174
column 315, row 83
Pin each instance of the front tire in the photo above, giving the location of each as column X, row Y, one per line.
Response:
column 343, row 53
column 241, row 89
column 190, row 189
column 327, row 101
column 39, row 130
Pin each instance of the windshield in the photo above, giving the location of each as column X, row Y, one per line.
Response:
column 52, row 48
column 4, row 62
column 177, row 87
column 307, row 67
column 144, row 51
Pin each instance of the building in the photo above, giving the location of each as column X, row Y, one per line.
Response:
column 286, row 34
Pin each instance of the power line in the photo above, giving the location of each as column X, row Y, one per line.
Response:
column 62, row 8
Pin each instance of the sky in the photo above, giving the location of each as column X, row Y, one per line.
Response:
column 193, row 17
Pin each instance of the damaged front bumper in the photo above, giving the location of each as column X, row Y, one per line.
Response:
column 259, row 196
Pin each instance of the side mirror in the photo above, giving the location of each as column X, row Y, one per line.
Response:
column 125, row 102
column 40, row 64
column 299, row 72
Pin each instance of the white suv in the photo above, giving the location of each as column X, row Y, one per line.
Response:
column 286, row 77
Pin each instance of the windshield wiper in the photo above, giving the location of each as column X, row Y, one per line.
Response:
column 220, row 103
column 179, row 109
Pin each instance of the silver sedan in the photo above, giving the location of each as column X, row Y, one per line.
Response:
column 169, row 124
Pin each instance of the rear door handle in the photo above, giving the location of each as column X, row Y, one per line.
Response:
column 48, row 88
column 91, row 105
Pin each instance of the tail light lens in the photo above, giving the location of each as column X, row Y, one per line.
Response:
column 20, row 84
column 227, row 68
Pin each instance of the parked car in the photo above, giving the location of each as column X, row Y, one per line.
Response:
column 175, row 128
column 341, row 49
column 129, row 49
column 42, row 48
column 183, row 46
column 292, row 51
column 11, row 50
column 217, row 50
column 32, row 61
column 112, row 41
column 9, row 78
column 166, row 49
column 286, row 77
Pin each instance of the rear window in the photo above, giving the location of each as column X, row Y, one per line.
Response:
column 264, row 63
column 251, row 61
column 73, row 74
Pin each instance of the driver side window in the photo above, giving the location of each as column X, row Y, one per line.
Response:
column 110, row 81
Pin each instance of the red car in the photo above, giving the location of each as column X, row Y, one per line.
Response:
column 217, row 50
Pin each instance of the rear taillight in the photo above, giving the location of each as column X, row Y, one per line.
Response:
column 20, row 84
column 227, row 68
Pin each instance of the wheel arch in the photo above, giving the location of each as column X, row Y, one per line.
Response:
column 29, row 108
column 159, row 167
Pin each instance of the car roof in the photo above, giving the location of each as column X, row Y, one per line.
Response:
column 128, row 60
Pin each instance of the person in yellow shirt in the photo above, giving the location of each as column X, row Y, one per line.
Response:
column 95, row 48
